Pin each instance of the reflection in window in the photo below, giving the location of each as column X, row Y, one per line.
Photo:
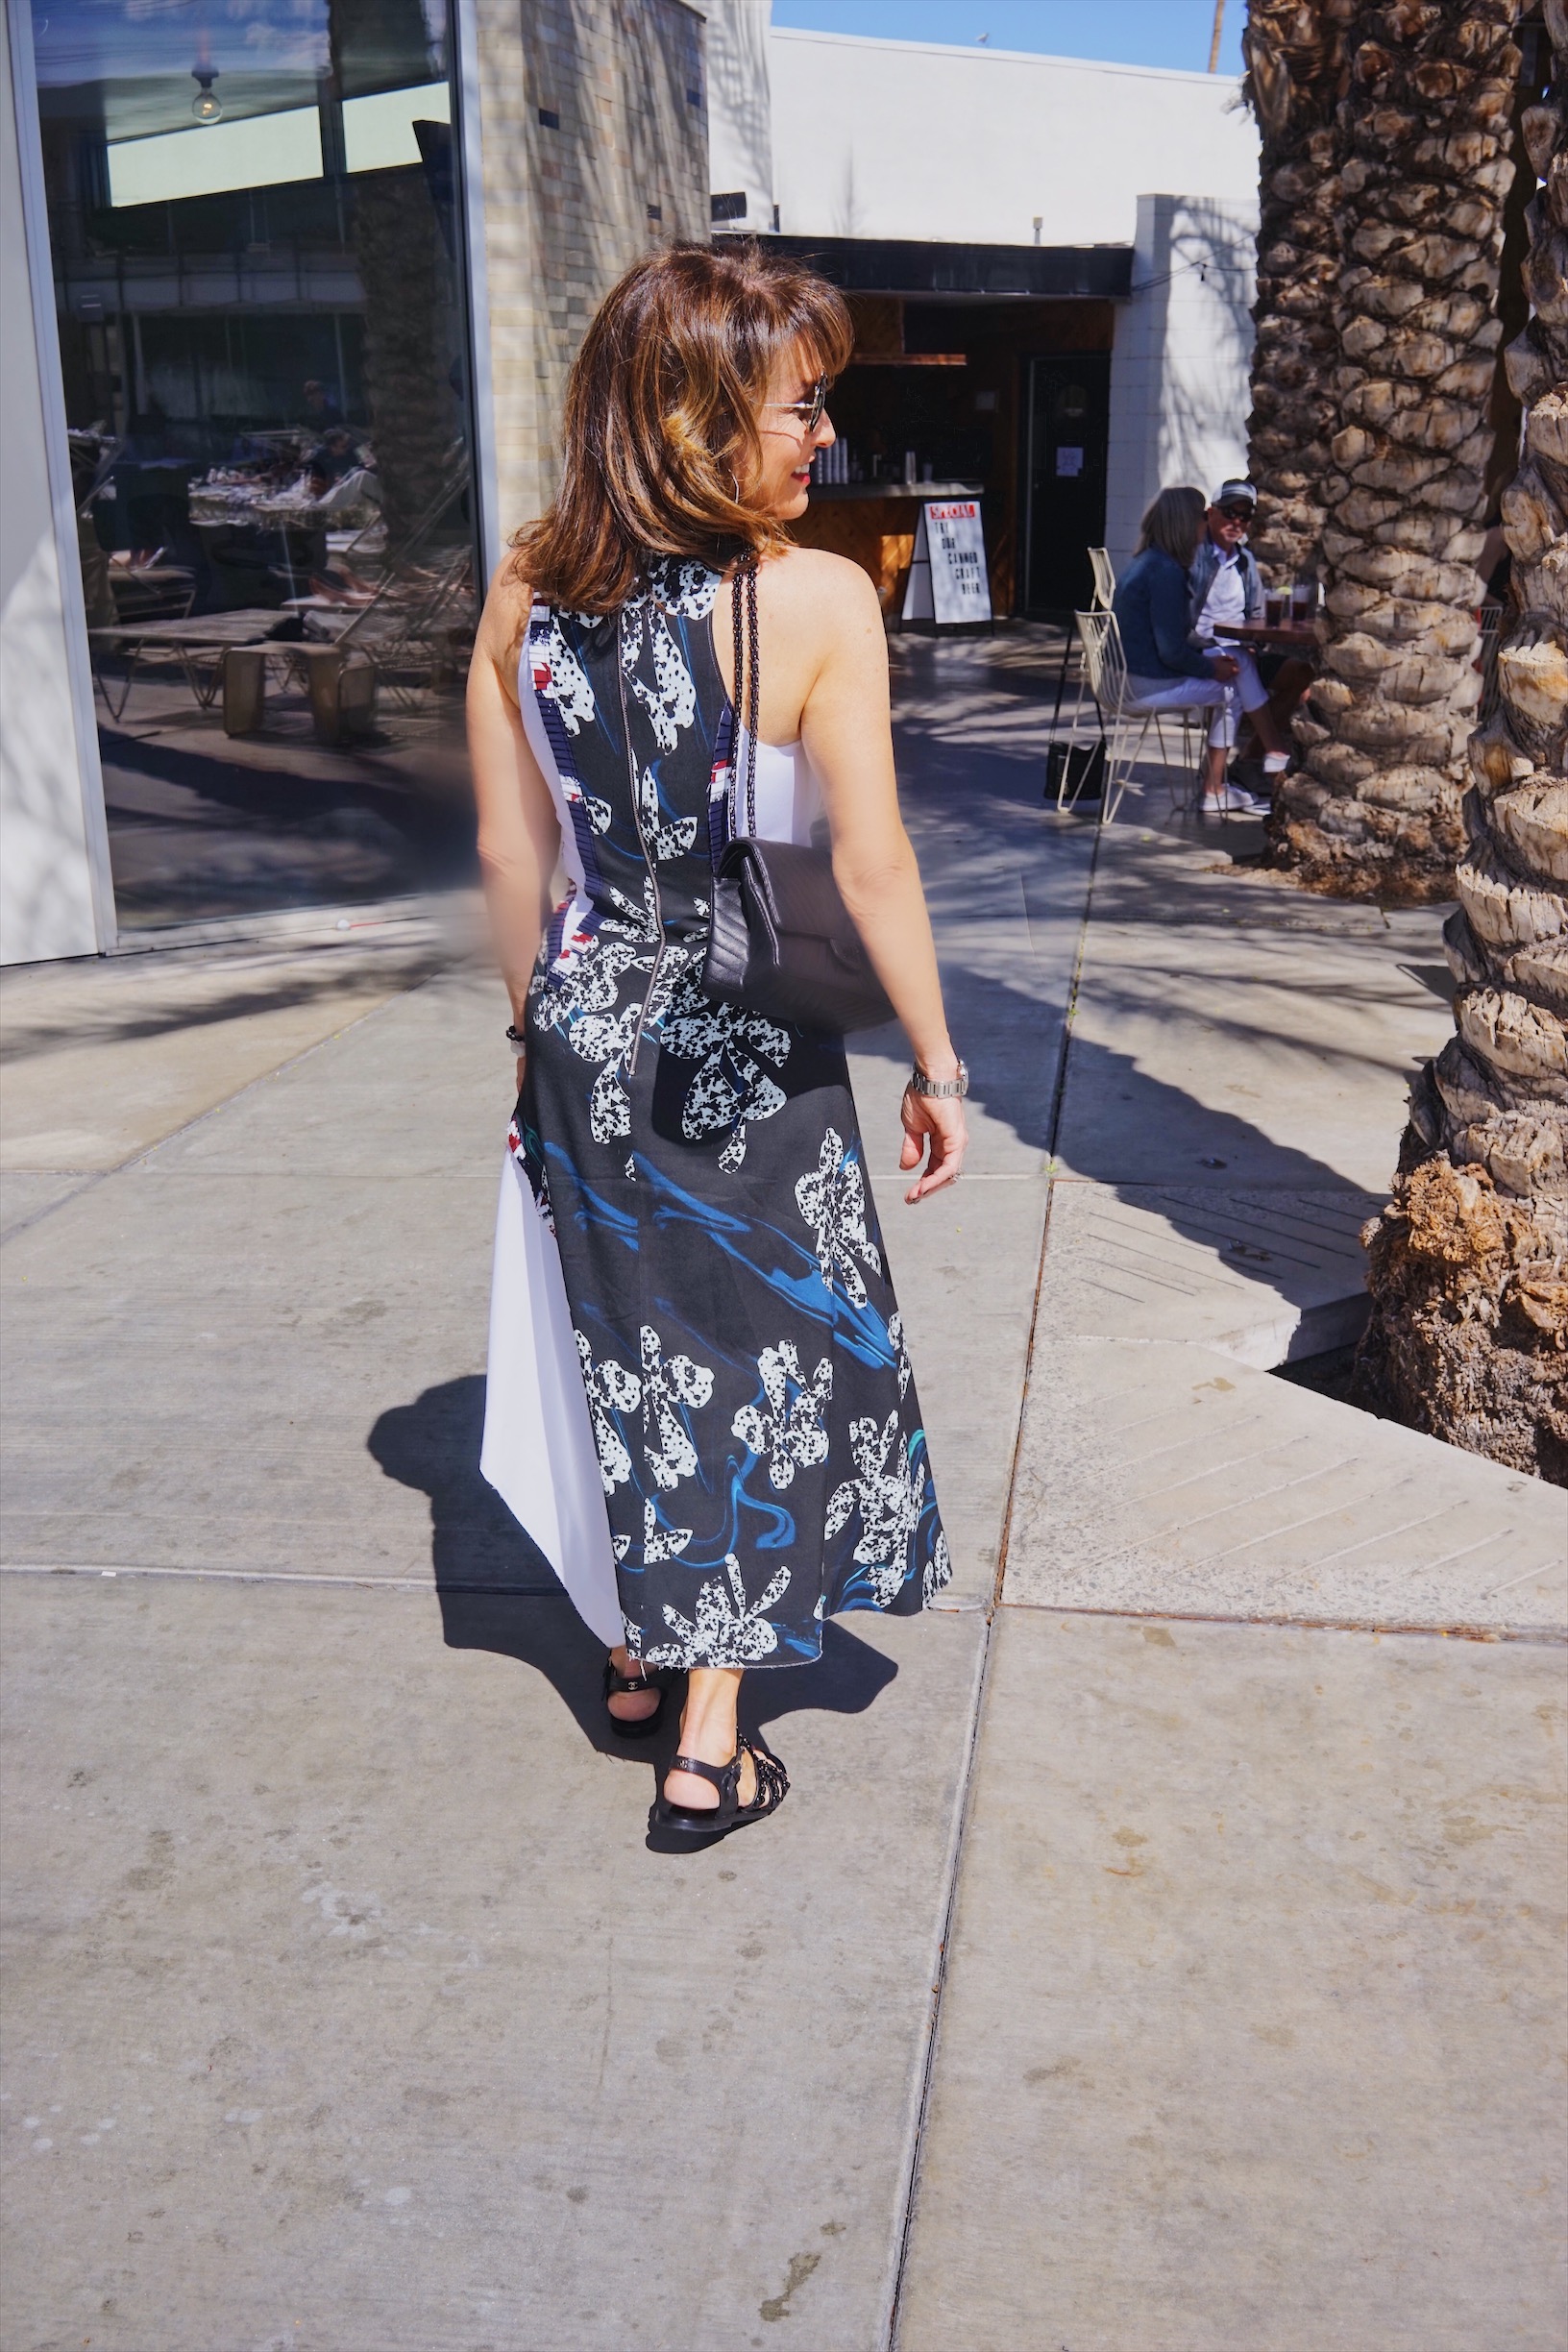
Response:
column 261, row 294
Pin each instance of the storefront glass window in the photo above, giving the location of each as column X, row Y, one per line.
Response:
column 261, row 291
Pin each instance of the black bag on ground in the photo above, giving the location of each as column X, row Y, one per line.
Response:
column 1083, row 768
column 781, row 941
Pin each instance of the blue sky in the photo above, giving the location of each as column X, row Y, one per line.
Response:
column 1123, row 32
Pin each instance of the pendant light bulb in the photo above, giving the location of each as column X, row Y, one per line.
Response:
column 206, row 106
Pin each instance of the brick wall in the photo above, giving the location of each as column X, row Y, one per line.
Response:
column 568, row 201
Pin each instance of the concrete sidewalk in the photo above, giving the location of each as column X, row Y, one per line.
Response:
column 348, row 2008
column 1251, row 2025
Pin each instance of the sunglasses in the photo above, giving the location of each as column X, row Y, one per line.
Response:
column 1237, row 514
column 809, row 411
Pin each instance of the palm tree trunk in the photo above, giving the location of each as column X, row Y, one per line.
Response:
column 1423, row 133
column 1295, row 59
column 1469, row 1262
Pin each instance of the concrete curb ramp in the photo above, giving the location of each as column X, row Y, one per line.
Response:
column 1175, row 1481
column 1268, row 1276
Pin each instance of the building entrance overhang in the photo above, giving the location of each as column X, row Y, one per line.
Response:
column 943, row 272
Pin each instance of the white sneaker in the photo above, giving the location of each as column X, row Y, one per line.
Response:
column 1233, row 801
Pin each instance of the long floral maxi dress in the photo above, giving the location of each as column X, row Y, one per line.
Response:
column 759, row 1437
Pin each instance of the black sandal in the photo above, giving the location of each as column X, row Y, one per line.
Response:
column 617, row 1685
column 718, row 1821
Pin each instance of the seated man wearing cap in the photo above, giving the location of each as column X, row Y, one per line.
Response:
column 1227, row 589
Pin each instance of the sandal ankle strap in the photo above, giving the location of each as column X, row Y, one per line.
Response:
column 717, row 1774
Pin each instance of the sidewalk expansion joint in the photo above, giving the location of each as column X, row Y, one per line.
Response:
column 1542, row 1636
column 272, row 1576
column 909, row 2194
column 1058, row 1091
column 909, row 2172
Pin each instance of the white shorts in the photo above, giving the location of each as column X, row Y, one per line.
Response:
column 1245, row 693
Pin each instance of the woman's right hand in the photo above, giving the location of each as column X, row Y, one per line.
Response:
column 1225, row 668
column 935, row 1125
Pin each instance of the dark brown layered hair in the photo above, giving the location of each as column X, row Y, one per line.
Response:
column 660, row 431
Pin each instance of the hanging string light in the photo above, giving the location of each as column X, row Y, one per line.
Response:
column 206, row 106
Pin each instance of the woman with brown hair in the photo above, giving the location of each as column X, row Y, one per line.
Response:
column 699, row 1397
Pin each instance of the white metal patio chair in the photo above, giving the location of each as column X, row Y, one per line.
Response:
column 1104, row 588
column 1105, row 668
column 1105, row 673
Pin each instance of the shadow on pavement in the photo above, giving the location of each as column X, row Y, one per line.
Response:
column 116, row 1022
column 498, row 1591
column 1000, row 1028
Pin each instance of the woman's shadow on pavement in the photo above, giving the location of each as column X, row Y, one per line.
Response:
column 497, row 1590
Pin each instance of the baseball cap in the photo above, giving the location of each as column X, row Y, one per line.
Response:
column 1233, row 490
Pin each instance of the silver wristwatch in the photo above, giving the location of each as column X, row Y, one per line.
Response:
column 940, row 1089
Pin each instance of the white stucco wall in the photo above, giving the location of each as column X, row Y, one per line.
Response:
column 877, row 138
column 54, row 869
column 1179, row 370
column 740, row 126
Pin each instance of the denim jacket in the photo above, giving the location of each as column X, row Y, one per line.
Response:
column 1152, row 610
column 1201, row 578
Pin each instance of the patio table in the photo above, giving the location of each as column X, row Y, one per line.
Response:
column 340, row 681
column 182, row 638
column 151, row 590
column 1298, row 637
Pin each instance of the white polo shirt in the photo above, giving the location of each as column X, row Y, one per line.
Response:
column 1225, row 607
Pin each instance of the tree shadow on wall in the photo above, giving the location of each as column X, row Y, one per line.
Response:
column 498, row 1592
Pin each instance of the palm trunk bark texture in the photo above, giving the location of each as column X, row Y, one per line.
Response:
column 1422, row 139
column 1296, row 62
column 1469, row 1262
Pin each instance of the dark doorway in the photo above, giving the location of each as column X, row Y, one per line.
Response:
column 1066, row 410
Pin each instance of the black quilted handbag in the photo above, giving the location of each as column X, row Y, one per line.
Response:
column 782, row 941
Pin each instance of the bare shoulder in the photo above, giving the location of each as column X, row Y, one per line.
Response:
column 505, row 617
column 827, row 598
column 509, row 597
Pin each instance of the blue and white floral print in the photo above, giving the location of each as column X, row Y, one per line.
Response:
column 887, row 1497
column 668, row 1392
column 832, row 1200
column 730, row 1047
column 785, row 1432
column 669, row 696
column 728, row 1628
column 611, row 1391
column 743, row 1360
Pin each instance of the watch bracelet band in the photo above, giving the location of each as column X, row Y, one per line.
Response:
column 939, row 1089
column 515, row 1038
